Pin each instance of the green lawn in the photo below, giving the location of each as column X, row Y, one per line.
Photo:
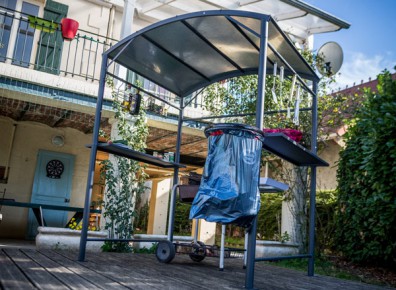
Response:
column 327, row 267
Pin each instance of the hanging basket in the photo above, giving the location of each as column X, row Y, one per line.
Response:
column 69, row 28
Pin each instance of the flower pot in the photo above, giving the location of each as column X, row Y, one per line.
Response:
column 69, row 28
column 275, row 249
column 66, row 239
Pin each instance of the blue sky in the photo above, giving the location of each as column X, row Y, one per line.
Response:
column 369, row 45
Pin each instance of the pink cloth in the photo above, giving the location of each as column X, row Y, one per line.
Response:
column 293, row 134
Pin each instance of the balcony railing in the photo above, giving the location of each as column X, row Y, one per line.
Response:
column 36, row 43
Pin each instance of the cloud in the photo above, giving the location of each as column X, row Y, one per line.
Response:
column 360, row 67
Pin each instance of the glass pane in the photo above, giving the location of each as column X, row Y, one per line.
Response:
column 6, row 19
column 233, row 43
column 158, row 66
column 24, row 40
column 194, row 51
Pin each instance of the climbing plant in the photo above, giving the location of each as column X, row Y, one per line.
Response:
column 124, row 177
column 366, row 217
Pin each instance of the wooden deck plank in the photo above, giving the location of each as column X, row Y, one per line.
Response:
column 96, row 278
column 172, row 273
column 203, row 274
column 39, row 277
column 10, row 275
column 63, row 274
column 233, row 277
column 143, row 271
column 136, row 279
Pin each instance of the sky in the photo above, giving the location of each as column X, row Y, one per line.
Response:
column 369, row 45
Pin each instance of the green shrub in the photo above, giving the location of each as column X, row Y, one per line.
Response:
column 183, row 224
column 269, row 217
column 366, row 220
column 326, row 203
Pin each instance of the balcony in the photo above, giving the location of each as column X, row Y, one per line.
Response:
column 35, row 43
column 33, row 51
column 46, row 79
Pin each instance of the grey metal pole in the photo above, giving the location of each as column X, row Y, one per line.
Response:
column 312, row 198
column 91, row 169
column 196, row 230
column 245, row 247
column 176, row 170
column 261, row 75
column 172, row 211
column 221, row 263
column 251, row 248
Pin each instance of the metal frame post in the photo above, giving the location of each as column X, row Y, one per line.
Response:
column 176, row 171
column 172, row 210
column 251, row 247
column 245, row 248
column 196, row 230
column 91, row 169
column 312, row 198
column 223, row 232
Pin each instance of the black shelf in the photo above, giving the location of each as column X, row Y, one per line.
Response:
column 124, row 151
column 284, row 147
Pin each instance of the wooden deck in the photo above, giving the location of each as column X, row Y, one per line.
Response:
column 28, row 268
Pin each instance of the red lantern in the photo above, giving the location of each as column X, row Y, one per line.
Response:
column 69, row 28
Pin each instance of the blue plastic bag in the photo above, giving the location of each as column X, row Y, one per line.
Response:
column 228, row 192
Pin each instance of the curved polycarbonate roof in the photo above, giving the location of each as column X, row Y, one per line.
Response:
column 189, row 52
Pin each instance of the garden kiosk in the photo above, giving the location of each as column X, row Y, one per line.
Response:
column 187, row 53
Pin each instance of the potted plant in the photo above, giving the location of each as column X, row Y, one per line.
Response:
column 69, row 28
column 42, row 24
column 66, row 239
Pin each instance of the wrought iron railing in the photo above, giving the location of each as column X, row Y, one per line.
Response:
column 37, row 43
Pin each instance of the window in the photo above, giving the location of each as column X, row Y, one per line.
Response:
column 24, row 39
column 7, row 8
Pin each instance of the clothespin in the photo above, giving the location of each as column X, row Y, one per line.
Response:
column 274, row 97
column 296, row 117
column 281, row 78
column 293, row 86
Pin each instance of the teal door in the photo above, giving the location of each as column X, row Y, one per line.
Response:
column 52, row 185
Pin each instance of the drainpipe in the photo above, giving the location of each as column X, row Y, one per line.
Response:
column 9, row 151
column 110, row 25
column 126, row 30
column 127, row 18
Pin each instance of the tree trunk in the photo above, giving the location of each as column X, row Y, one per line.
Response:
column 294, row 206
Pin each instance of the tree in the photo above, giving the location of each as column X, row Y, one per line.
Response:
column 366, row 217
column 238, row 96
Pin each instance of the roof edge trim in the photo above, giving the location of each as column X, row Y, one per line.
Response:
column 318, row 12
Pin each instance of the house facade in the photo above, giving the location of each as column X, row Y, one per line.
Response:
column 48, row 89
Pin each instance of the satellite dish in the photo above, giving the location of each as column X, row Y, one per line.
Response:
column 329, row 59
